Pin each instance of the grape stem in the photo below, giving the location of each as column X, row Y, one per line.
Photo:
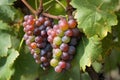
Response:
column 92, row 73
column 29, row 7
column 40, row 9
column 52, row 16
column 69, row 8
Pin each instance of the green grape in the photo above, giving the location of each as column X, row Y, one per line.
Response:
column 54, row 62
column 65, row 39
column 57, row 40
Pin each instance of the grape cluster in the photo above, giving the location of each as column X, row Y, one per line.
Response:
column 63, row 37
column 36, row 38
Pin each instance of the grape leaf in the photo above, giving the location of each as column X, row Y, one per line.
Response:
column 90, row 49
column 25, row 67
column 6, row 2
column 4, row 26
column 7, row 70
column 5, row 43
column 95, row 17
column 7, row 12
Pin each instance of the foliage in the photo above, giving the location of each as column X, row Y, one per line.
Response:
column 99, row 20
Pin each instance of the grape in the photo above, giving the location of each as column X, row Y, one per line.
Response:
column 71, row 50
column 41, row 19
column 57, row 53
column 55, row 27
column 37, row 32
column 54, row 62
column 63, row 25
column 50, row 39
column 42, row 27
column 57, row 41
column 43, row 52
column 24, row 24
column 73, row 41
column 38, row 23
column 31, row 38
column 28, row 42
column 37, row 50
column 72, row 23
column 69, row 32
column 59, row 32
column 49, row 31
column 62, row 64
column 36, row 56
column 30, row 21
column 47, row 23
column 26, row 17
column 58, row 69
column 64, row 47
column 53, row 33
column 43, row 59
column 65, row 39
column 31, row 17
column 38, row 39
column 29, row 28
column 25, row 36
column 43, row 33
column 65, row 56
column 55, row 46
column 33, row 45
column 29, row 33
column 76, row 32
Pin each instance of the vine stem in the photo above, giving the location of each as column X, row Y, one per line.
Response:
column 52, row 16
column 69, row 8
column 92, row 73
column 39, row 11
column 29, row 7
column 20, row 44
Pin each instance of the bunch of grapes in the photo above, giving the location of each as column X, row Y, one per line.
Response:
column 36, row 38
column 63, row 37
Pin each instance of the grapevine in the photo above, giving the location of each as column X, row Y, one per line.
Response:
column 59, row 39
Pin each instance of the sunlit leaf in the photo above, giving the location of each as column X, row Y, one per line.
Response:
column 7, row 70
column 6, row 2
column 95, row 17
column 5, row 43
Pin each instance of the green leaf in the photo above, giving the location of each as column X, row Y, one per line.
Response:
column 6, row 2
column 5, row 43
column 25, row 67
column 95, row 17
column 7, row 12
column 4, row 26
column 90, row 50
column 6, row 71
